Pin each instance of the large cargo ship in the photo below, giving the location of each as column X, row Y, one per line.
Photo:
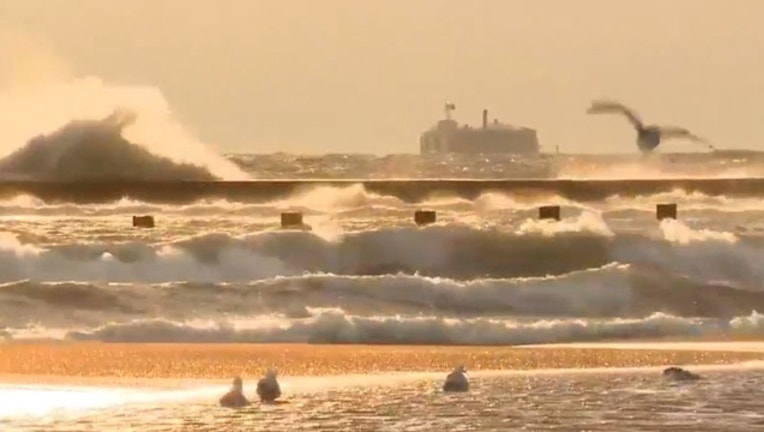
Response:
column 447, row 136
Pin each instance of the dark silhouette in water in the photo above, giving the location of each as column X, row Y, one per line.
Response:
column 94, row 150
column 235, row 397
column 679, row 374
column 648, row 137
column 457, row 380
column 268, row 388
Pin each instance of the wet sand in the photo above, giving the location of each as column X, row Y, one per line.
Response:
column 49, row 360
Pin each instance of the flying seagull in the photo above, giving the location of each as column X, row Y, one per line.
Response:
column 648, row 137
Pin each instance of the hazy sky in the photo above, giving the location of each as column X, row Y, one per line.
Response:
column 369, row 76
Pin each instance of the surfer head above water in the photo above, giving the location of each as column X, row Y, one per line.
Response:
column 235, row 397
column 268, row 388
column 648, row 137
column 457, row 380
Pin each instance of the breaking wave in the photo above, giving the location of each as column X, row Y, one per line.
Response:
column 85, row 129
column 335, row 326
column 352, row 200
column 487, row 272
column 616, row 290
column 546, row 270
column 445, row 250
column 355, row 200
column 458, row 251
column 455, row 251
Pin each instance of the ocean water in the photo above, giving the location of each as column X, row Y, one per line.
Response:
column 488, row 272
column 594, row 400
column 717, row 164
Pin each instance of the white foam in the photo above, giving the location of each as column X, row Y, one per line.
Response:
column 349, row 200
column 588, row 221
column 678, row 232
column 41, row 109
column 335, row 326
column 449, row 250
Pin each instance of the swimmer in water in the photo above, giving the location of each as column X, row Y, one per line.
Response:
column 235, row 397
column 648, row 137
column 679, row 374
column 457, row 381
column 268, row 388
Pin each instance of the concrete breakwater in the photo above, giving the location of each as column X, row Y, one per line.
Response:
column 408, row 190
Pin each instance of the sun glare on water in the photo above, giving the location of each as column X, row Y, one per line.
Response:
column 53, row 401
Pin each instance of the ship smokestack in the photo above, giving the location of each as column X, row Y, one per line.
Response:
column 485, row 118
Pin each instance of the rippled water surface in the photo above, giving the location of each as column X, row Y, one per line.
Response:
column 633, row 401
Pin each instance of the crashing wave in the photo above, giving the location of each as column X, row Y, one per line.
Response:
column 94, row 150
column 335, row 326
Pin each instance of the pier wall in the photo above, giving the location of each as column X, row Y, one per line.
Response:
column 179, row 192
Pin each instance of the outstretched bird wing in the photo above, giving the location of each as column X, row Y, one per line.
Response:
column 679, row 132
column 608, row 107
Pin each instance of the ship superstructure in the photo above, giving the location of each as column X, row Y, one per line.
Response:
column 447, row 136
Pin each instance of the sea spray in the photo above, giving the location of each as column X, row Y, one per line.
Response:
column 40, row 110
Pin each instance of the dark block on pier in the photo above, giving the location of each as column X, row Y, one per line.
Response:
column 665, row 211
column 143, row 221
column 291, row 220
column 549, row 212
column 425, row 217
